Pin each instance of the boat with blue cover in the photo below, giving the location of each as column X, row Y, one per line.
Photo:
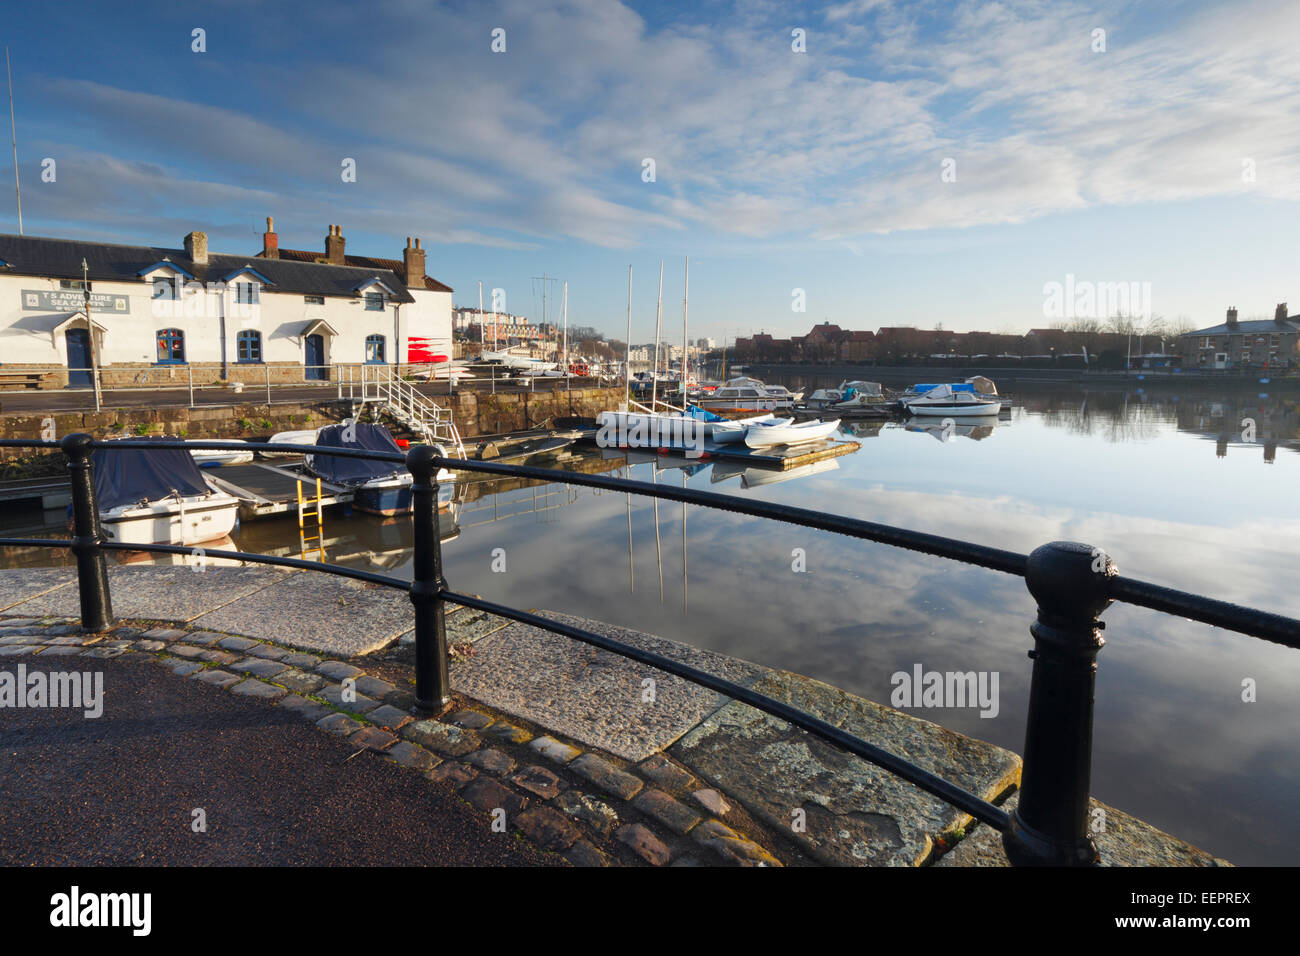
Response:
column 378, row 487
column 158, row 496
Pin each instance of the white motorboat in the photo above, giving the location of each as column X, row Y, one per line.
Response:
column 747, row 398
column 776, row 391
column 943, row 400
column 159, row 496
column 855, row 392
column 216, row 457
column 980, row 386
column 794, row 433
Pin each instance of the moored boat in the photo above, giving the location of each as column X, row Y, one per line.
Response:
column 794, row 433
column 159, row 496
column 747, row 397
column 378, row 487
column 848, row 393
column 216, row 457
column 944, row 400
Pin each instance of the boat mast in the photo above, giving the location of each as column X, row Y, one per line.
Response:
column 566, row 331
column 13, row 136
column 482, row 326
column 686, row 342
column 659, row 314
column 627, row 351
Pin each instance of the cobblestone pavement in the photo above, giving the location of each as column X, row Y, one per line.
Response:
column 376, row 783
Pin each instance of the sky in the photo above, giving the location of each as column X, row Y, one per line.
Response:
column 866, row 163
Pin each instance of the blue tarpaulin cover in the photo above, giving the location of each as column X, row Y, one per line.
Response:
column 354, row 471
column 703, row 414
column 955, row 386
column 129, row 476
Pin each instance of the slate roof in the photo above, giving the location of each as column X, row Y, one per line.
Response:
column 110, row 262
column 396, row 266
column 1251, row 327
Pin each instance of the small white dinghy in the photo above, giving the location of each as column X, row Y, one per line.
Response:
column 761, row 435
column 304, row 436
column 215, row 457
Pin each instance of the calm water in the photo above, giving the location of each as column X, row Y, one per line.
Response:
column 1166, row 485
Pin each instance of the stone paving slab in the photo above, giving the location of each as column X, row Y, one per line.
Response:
column 24, row 584
column 318, row 612
column 591, row 695
column 1125, row 841
column 158, row 593
column 855, row 813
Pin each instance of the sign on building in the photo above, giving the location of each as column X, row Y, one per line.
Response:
column 73, row 300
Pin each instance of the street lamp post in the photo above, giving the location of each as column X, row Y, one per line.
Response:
column 90, row 330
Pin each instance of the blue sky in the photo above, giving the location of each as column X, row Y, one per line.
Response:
column 775, row 170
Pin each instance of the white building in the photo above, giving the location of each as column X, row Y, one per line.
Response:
column 160, row 314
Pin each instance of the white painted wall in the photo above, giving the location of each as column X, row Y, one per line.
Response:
column 27, row 336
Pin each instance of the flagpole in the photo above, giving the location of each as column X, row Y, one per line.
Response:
column 13, row 137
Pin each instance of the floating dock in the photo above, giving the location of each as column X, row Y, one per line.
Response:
column 780, row 458
column 269, row 489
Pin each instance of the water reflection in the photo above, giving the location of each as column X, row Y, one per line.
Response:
column 976, row 429
column 1128, row 471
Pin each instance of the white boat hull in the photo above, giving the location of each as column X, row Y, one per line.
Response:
column 769, row 436
column 187, row 521
column 215, row 457
column 953, row 409
column 306, row 436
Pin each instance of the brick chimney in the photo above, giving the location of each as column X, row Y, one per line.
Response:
column 270, row 241
column 196, row 248
column 1279, row 314
column 413, row 257
column 334, row 247
column 1232, row 317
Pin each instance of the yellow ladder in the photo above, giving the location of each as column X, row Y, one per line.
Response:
column 309, row 510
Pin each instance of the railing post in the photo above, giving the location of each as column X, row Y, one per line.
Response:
column 432, row 684
column 1049, row 827
column 92, row 571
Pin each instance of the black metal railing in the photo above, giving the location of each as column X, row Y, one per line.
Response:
column 1072, row 584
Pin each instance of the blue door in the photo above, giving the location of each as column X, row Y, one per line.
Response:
column 316, row 370
column 78, row 358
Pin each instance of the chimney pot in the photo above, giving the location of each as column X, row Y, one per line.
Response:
column 334, row 247
column 270, row 241
column 1279, row 314
column 413, row 263
column 1232, row 316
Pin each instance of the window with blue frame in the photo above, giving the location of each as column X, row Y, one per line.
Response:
column 171, row 345
column 248, row 346
column 374, row 350
column 246, row 292
column 374, row 302
column 164, row 287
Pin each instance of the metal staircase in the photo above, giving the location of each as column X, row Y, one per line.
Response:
column 397, row 398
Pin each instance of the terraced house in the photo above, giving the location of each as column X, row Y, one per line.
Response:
column 1256, row 344
column 168, row 315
